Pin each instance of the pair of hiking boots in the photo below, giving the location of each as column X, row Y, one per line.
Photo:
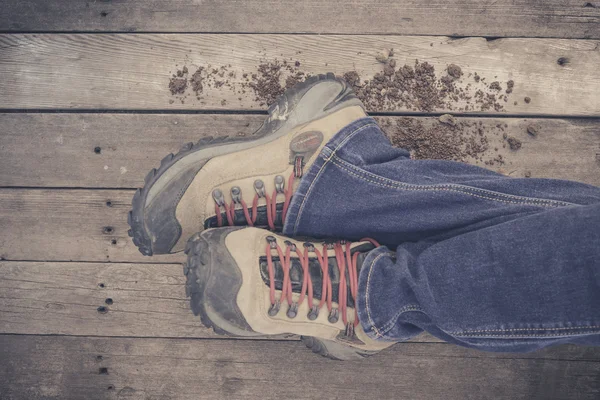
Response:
column 221, row 200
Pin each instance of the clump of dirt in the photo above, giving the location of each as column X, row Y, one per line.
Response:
column 269, row 83
column 514, row 143
column 352, row 78
column 384, row 55
column 533, row 129
column 495, row 86
column 196, row 81
column 178, row 82
column 447, row 119
column 527, row 99
column 418, row 88
column 430, row 139
column 509, row 86
column 454, row 71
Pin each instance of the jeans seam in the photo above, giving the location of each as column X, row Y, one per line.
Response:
column 308, row 191
column 318, row 174
column 527, row 329
column 390, row 324
column 371, row 321
column 452, row 188
column 533, row 335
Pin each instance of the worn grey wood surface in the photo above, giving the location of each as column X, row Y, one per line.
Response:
column 63, row 206
column 66, row 368
column 101, row 299
column 550, row 18
column 131, row 71
column 130, row 145
column 65, row 225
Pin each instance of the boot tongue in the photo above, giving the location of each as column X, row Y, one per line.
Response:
column 316, row 274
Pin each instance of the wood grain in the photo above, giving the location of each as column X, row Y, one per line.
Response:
column 62, row 146
column 64, row 225
column 551, row 18
column 141, row 300
column 68, row 368
column 146, row 300
column 132, row 71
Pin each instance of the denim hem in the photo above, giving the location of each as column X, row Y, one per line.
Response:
column 311, row 177
column 365, row 315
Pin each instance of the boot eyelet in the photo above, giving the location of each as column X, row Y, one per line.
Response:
column 293, row 310
column 334, row 316
column 272, row 242
column 218, row 197
column 313, row 313
column 280, row 184
column 274, row 309
column 259, row 188
column 236, row 194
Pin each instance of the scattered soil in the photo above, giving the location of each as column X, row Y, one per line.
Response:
column 454, row 71
column 509, row 86
column 178, row 82
column 430, row 139
column 514, row 143
column 495, row 86
column 447, row 119
column 415, row 87
column 533, row 130
column 383, row 56
column 196, row 81
column 267, row 84
column 527, row 100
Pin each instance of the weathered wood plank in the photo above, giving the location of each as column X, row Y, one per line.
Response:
column 107, row 368
column 63, row 225
column 566, row 19
column 146, row 300
column 142, row 300
column 131, row 71
column 63, row 145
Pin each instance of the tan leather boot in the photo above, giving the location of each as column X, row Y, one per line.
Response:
column 247, row 281
column 241, row 181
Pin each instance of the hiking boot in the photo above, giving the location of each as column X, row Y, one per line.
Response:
column 246, row 281
column 241, row 181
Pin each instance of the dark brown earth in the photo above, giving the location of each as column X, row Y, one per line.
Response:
column 415, row 87
column 196, row 81
column 495, row 86
column 509, row 86
column 454, row 71
column 533, row 130
column 431, row 139
column 514, row 143
column 178, row 82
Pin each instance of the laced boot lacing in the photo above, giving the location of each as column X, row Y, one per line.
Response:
column 250, row 214
column 345, row 262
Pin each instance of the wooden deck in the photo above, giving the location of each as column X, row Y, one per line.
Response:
column 85, row 112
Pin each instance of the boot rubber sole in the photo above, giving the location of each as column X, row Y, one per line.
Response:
column 198, row 271
column 278, row 112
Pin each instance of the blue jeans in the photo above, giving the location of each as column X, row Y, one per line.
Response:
column 481, row 260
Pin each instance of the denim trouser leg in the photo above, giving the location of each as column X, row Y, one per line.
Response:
column 484, row 260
